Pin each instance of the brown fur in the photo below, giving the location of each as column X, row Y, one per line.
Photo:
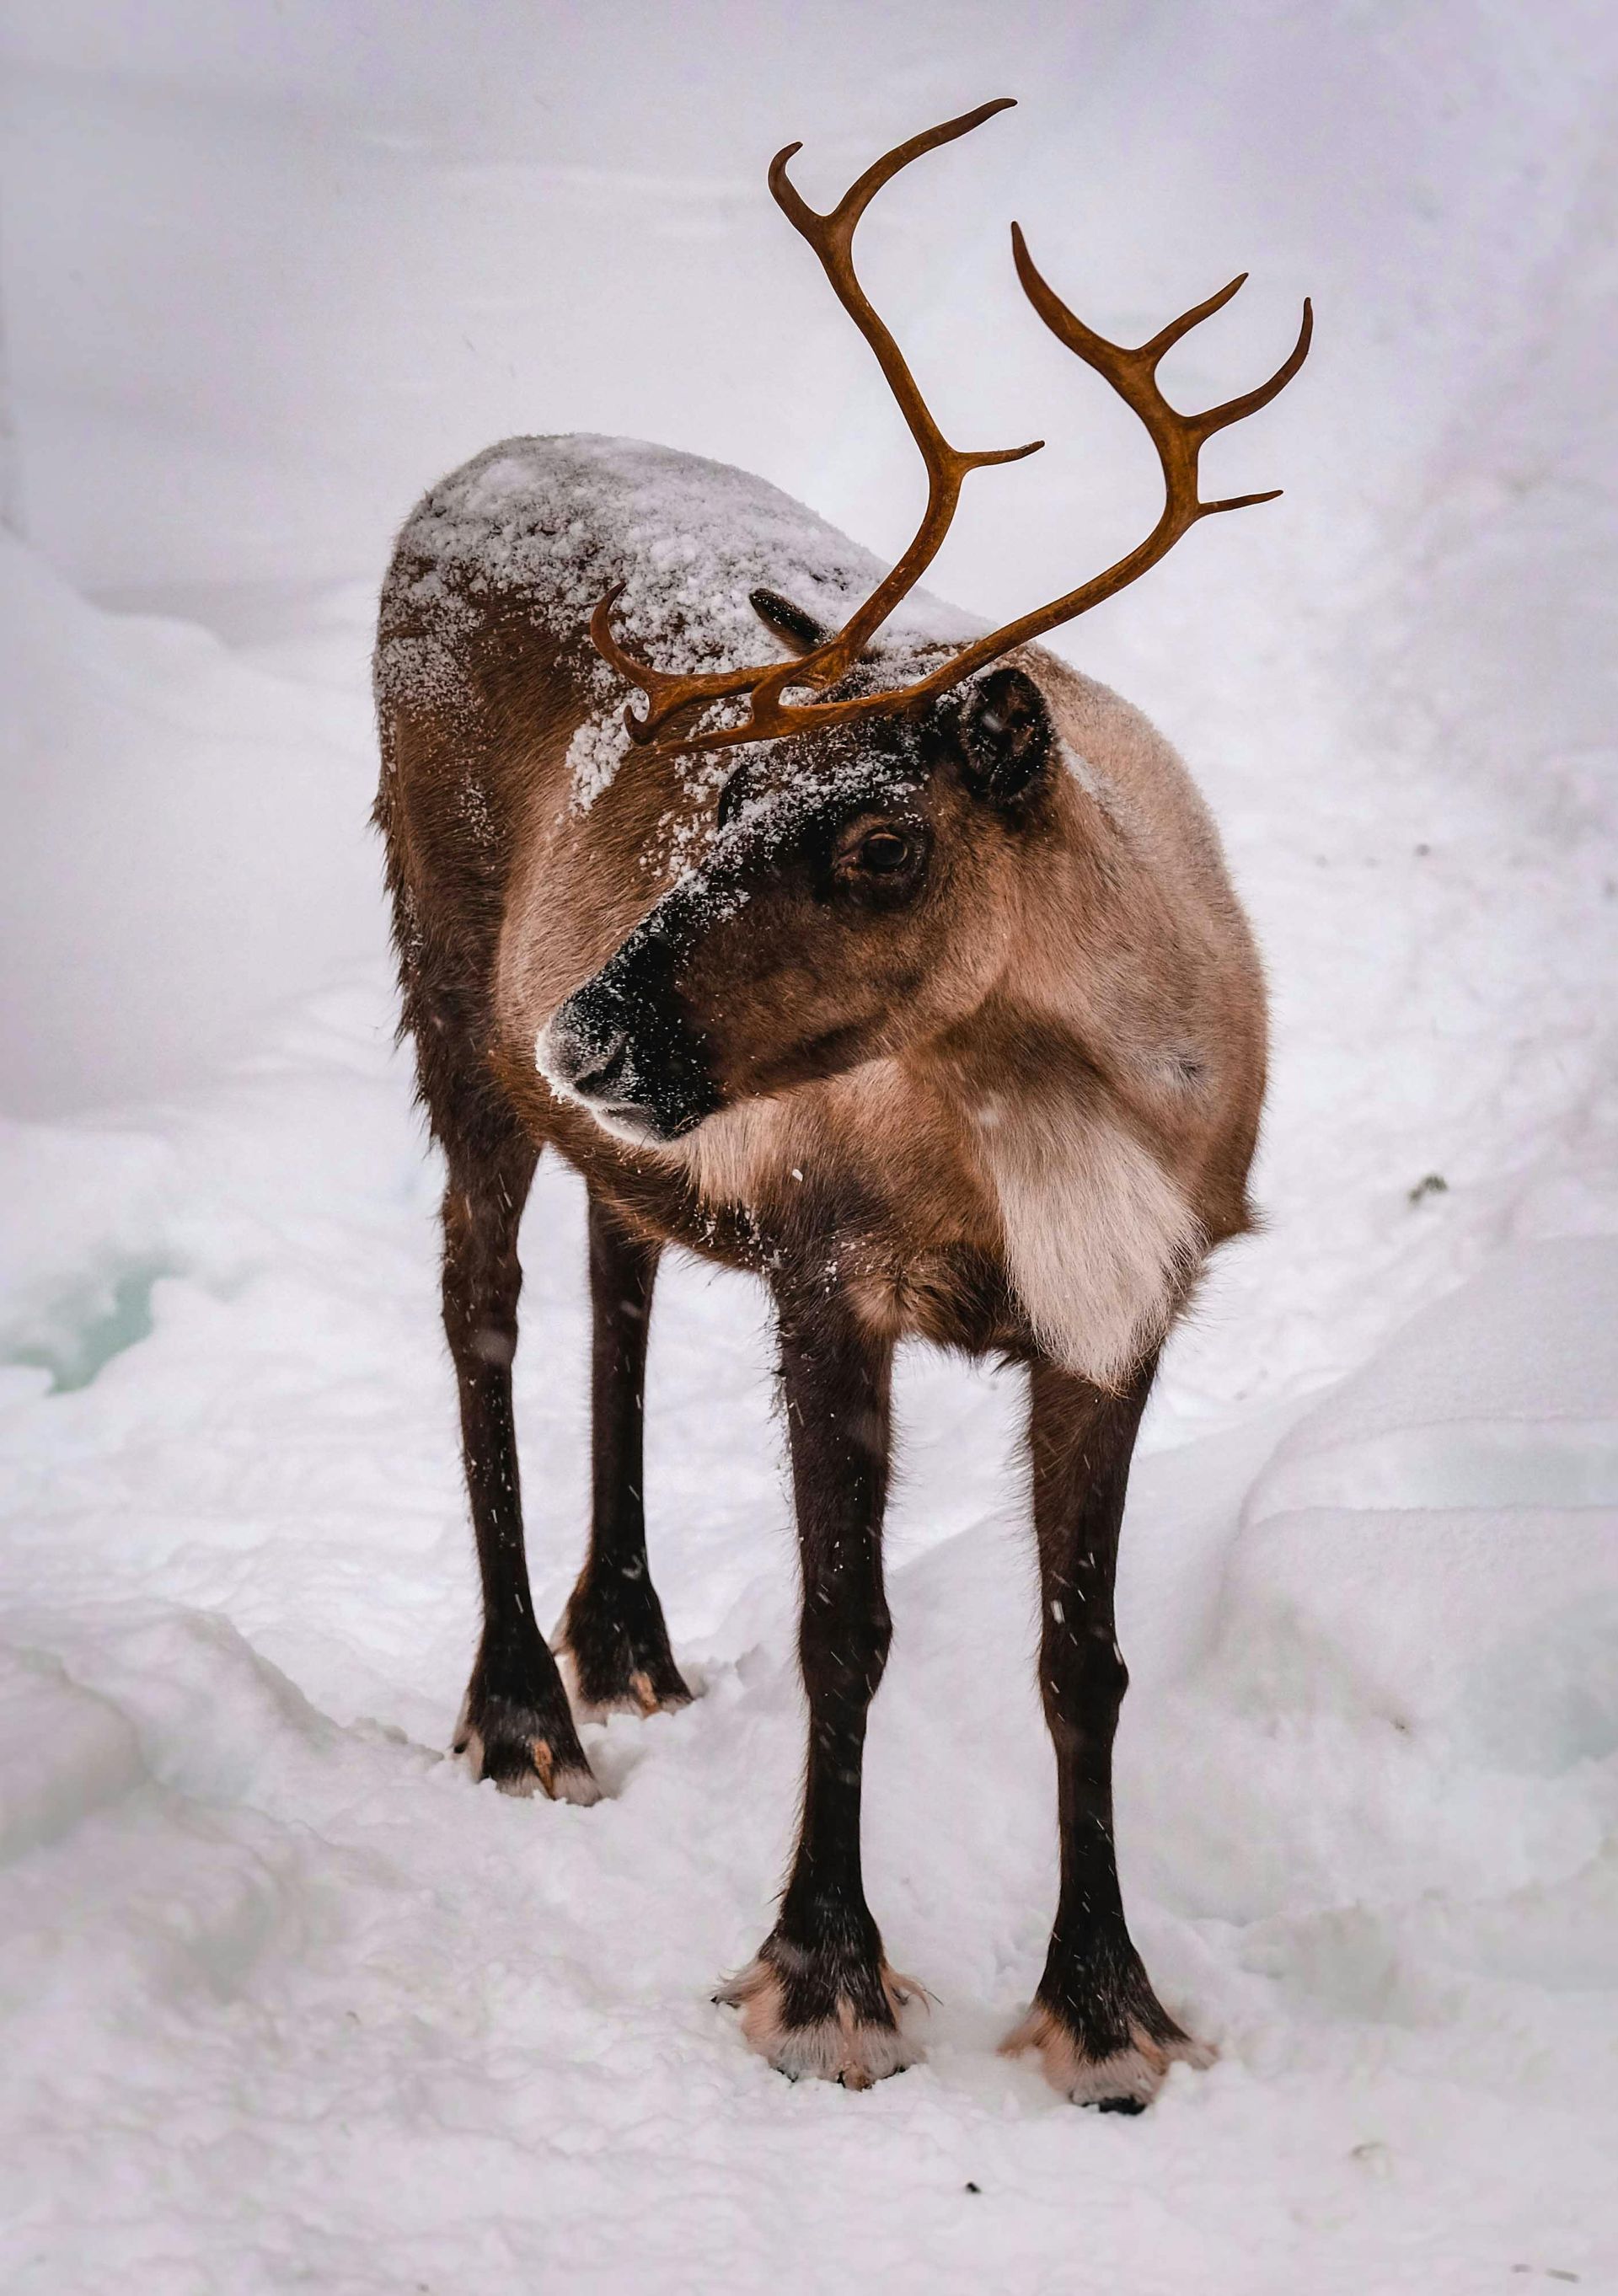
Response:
column 1010, row 1114
column 1100, row 981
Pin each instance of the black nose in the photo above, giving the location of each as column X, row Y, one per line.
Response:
column 586, row 1048
column 621, row 1046
column 594, row 1069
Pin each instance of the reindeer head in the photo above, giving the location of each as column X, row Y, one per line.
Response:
column 860, row 896
column 857, row 898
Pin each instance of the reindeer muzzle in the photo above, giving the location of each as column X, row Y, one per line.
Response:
column 622, row 1047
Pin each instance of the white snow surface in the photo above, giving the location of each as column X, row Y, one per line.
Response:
column 285, row 2000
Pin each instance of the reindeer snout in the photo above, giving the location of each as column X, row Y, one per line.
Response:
column 578, row 1061
column 626, row 1057
column 583, row 1051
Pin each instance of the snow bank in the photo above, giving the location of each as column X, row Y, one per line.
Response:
column 185, row 847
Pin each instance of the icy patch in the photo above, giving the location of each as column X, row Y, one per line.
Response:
column 81, row 1333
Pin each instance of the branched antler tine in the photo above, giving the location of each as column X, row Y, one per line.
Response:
column 982, row 460
column 667, row 692
column 1133, row 374
column 1131, row 371
column 1220, row 418
column 1178, row 440
column 831, row 235
column 1128, row 371
column 1239, row 502
column 843, row 218
column 633, row 672
column 1122, row 367
column 1165, row 339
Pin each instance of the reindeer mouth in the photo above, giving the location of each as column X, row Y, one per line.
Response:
column 628, row 1120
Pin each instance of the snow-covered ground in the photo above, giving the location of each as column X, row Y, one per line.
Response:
column 285, row 2001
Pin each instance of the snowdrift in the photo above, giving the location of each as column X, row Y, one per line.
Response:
column 185, row 845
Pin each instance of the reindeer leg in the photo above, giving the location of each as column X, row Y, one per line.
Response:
column 820, row 1999
column 613, row 1626
column 515, row 1726
column 1103, row 2037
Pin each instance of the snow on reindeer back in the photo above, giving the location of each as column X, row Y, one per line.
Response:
column 560, row 520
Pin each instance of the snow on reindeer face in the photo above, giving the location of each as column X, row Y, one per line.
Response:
column 851, row 903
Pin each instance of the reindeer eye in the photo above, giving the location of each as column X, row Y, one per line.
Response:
column 879, row 863
column 884, row 851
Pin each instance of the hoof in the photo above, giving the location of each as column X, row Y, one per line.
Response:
column 642, row 1689
column 528, row 1762
column 613, row 1646
column 1124, row 2081
column 844, row 2046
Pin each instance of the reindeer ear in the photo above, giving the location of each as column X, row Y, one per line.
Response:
column 1007, row 735
column 799, row 633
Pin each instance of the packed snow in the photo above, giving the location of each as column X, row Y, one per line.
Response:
column 286, row 2000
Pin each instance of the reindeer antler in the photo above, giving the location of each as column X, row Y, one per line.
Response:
column 1178, row 438
column 832, row 237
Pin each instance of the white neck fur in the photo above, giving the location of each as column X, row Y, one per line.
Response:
column 1099, row 1242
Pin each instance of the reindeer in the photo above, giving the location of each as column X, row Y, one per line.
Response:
column 901, row 969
